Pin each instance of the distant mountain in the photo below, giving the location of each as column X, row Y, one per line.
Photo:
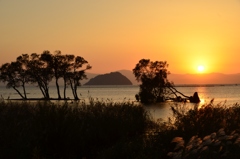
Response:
column 129, row 74
column 212, row 78
column 113, row 78
column 89, row 76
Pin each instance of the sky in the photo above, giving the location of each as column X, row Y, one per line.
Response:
column 115, row 34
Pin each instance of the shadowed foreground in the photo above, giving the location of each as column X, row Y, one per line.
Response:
column 102, row 129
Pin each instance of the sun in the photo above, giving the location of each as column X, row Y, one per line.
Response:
column 201, row 68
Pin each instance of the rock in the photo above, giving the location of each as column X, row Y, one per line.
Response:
column 113, row 78
column 195, row 98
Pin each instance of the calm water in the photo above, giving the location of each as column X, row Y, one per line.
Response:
column 224, row 93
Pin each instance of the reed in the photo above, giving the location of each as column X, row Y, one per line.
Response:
column 201, row 132
column 48, row 130
column 107, row 129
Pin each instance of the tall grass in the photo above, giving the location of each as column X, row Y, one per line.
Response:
column 201, row 132
column 48, row 130
column 106, row 129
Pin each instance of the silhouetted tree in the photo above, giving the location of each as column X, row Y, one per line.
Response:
column 15, row 75
column 41, row 69
column 54, row 62
column 154, row 83
column 40, row 73
column 76, row 73
column 66, row 67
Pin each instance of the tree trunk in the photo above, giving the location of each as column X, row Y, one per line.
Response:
column 24, row 91
column 18, row 92
column 71, row 84
column 75, row 92
column 58, row 91
column 46, row 92
column 42, row 90
column 64, row 89
column 177, row 92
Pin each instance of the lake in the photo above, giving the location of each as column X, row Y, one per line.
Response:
column 221, row 93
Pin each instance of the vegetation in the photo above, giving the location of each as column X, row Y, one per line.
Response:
column 41, row 69
column 155, row 86
column 201, row 132
column 48, row 130
column 154, row 83
column 103, row 129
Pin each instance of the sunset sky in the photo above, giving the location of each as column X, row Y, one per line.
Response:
column 115, row 34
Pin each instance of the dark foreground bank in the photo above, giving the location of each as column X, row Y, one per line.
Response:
column 102, row 129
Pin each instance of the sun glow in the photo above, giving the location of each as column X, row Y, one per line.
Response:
column 201, row 68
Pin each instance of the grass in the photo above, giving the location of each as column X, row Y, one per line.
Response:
column 105, row 129
column 211, row 131
column 48, row 130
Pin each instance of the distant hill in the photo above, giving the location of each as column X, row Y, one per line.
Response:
column 89, row 76
column 211, row 78
column 129, row 74
column 113, row 78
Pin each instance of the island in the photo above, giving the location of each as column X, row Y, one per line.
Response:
column 113, row 78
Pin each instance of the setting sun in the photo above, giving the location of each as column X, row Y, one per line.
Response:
column 200, row 68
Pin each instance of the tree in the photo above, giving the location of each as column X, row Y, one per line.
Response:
column 75, row 74
column 154, row 85
column 67, row 67
column 15, row 75
column 41, row 69
column 54, row 63
column 67, row 63
column 40, row 73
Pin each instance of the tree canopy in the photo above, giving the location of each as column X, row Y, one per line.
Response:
column 154, row 83
column 41, row 69
column 155, row 86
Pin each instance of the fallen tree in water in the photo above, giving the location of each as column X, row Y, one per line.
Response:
column 193, row 99
column 155, row 86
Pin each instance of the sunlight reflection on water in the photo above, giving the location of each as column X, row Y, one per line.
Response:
column 163, row 110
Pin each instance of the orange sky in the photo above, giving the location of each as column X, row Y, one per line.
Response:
column 114, row 35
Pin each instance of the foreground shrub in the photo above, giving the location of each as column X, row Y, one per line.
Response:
column 206, row 119
column 199, row 127
column 49, row 130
